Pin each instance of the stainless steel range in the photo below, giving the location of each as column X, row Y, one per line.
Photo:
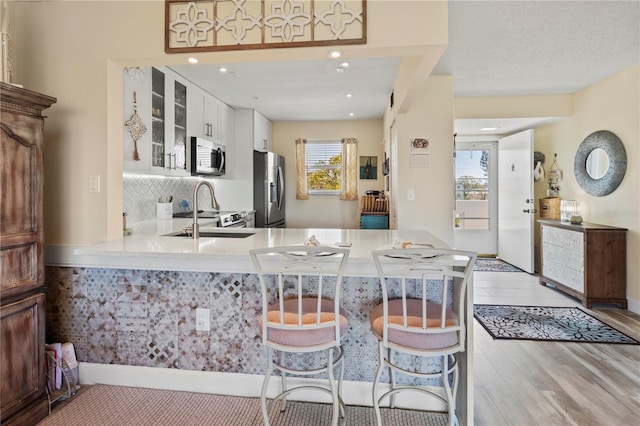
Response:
column 233, row 220
column 226, row 219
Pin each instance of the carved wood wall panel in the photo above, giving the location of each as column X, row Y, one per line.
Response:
column 211, row 25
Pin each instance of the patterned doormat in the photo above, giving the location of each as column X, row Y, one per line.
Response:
column 494, row 265
column 546, row 323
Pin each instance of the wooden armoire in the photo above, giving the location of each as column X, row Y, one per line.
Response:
column 23, row 395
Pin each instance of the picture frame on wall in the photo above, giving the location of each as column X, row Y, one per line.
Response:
column 385, row 165
column 368, row 167
column 420, row 146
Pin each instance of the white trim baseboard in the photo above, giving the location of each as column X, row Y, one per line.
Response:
column 244, row 385
column 633, row 305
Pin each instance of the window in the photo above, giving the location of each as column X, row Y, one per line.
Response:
column 327, row 167
column 324, row 167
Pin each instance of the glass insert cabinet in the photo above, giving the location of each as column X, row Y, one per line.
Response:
column 157, row 118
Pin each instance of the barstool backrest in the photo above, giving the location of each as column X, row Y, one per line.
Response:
column 300, row 288
column 423, row 292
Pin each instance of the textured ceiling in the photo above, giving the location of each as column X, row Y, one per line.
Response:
column 538, row 47
column 495, row 48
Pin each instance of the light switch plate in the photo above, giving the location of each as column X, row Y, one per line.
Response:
column 94, row 183
column 411, row 194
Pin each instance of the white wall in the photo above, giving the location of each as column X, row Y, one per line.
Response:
column 430, row 116
column 612, row 104
column 326, row 211
column 75, row 51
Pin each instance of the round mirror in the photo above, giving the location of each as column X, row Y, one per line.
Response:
column 597, row 163
column 600, row 163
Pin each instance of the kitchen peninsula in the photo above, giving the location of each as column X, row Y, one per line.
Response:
column 132, row 301
column 151, row 246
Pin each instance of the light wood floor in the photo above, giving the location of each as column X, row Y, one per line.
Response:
column 552, row 383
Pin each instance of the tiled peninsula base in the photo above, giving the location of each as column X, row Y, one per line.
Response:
column 147, row 318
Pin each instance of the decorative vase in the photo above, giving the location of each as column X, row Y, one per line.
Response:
column 576, row 219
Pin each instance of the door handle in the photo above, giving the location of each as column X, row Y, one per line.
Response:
column 281, row 187
column 532, row 211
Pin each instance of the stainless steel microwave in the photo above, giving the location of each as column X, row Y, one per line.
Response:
column 207, row 158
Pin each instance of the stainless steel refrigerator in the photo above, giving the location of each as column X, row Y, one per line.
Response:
column 268, row 189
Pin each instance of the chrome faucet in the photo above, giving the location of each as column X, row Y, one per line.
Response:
column 214, row 205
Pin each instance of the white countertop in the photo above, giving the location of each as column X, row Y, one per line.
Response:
column 149, row 247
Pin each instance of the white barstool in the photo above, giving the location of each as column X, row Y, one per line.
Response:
column 422, row 314
column 301, row 313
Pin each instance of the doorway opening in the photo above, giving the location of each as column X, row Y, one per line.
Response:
column 476, row 201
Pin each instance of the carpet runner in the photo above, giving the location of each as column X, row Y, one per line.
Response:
column 494, row 265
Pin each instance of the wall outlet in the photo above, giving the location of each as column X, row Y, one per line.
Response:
column 203, row 319
column 411, row 194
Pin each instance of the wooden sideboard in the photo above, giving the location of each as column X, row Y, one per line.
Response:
column 23, row 397
column 587, row 261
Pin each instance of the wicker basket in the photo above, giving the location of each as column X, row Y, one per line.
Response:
column 550, row 208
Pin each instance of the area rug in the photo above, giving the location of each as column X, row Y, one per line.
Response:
column 546, row 323
column 494, row 265
column 101, row 405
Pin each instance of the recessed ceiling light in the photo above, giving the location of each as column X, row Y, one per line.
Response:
column 193, row 60
column 351, row 114
column 345, row 64
column 335, row 54
column 222, row 69
column 348, row 95
column 489, row 128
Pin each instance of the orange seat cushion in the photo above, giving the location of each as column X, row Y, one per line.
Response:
column 306, row 337
column 414, row 320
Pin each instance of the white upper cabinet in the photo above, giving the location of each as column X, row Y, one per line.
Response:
column 204, row 112
column 170, row 109
column 136, row 99
column 265, row 134
column 261, row 132
column 161, row 108
column 253, row 127
column 228, row 137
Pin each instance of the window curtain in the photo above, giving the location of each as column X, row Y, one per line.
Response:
column 349, row 186
column 302, row 190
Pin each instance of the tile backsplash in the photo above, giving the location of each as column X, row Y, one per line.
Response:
column 141, row 193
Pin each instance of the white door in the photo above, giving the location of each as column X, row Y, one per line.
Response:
column 515, row 200
column 476, row 212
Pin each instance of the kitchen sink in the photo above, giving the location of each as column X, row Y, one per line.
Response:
column 213, row 234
